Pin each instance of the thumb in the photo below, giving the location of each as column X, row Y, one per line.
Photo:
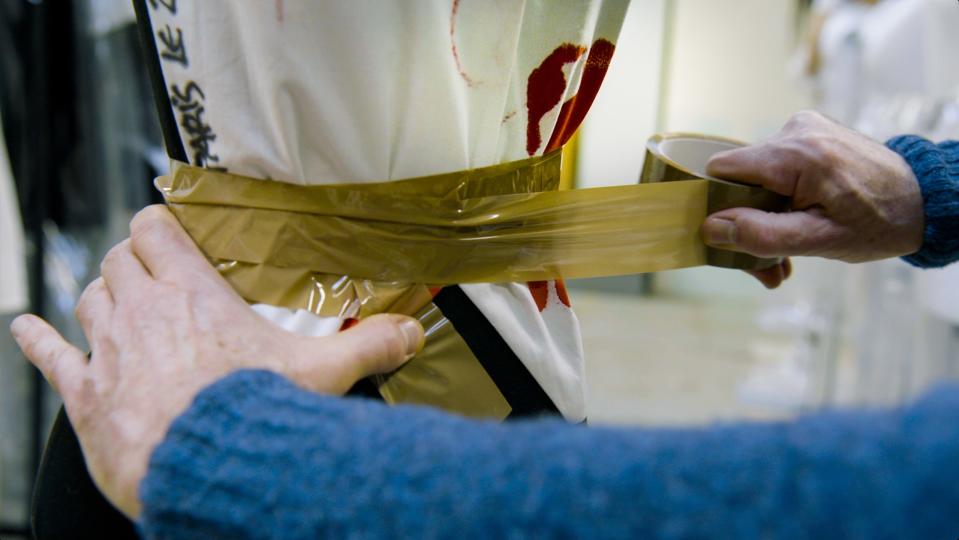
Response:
column 768, row 234
column 378, row 344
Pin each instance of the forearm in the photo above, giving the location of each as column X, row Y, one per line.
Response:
column 936, row 167
column 255, row 457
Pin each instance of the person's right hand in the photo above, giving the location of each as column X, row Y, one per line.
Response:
column 853, row 199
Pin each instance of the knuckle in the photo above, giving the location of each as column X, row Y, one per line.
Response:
column 383, row 342
column 83, row 303
column 804, row 118
column 795, row 121
column 803, row 151
column 145, row 231
column 112, row 256
column 758, row 240
column 817, row 148
column 150, row 222
column 149, row 214
column 108, row 259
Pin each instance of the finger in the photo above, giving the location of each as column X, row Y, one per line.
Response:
column 768, row 234
column 771, row 277
column 379, row 344
column 774, row 276
column 123, row 273
column 61, row 363
column 771, row 165
column 787, row 265
column 166, row 250
column 95, row 307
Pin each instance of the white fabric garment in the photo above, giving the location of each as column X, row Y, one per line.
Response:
column 13, row 277
column 315, row 92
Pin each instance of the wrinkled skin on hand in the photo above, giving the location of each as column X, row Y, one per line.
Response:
column 162, row 325
column 853, row 199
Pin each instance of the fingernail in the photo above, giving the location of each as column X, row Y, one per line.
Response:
column 18, row 326
column 720, row 232
column 413, row 333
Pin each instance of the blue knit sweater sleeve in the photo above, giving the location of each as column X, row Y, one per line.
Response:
column 936, row 166
column 256, row 457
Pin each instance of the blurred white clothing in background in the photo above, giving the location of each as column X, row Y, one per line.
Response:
column 888, row 68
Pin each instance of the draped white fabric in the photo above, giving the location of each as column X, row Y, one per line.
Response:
column 309, row 91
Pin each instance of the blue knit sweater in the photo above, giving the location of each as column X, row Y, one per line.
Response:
column 937, row 169
column 256, row 457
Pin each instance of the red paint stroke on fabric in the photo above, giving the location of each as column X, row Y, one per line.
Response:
column 456, row 55
column 573, row 112
column 540, row 292
column 545, row 88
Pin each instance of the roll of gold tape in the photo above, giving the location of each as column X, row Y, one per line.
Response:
column 683, row 156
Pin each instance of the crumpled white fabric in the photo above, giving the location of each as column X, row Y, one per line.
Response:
column 314, row 92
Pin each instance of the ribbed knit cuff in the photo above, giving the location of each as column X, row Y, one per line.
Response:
column 937, row 169
column 209, row 477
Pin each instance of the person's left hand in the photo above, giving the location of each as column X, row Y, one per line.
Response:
column 163, row 325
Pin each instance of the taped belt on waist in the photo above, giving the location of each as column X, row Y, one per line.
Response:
column 497, row 224
column 301, row 246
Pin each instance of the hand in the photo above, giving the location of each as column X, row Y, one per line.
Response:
column 162, row 325
column 853, row 199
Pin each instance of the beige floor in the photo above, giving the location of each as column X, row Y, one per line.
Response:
column 676, row 361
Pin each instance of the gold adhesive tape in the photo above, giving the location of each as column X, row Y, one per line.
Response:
column 445, row 374
column 526, row 237
column 495, row 224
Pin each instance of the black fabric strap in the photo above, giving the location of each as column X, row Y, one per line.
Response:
column 514, row 381
column 148, row 48
column 66, row 503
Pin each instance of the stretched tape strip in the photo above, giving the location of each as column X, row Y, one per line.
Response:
column 495, row 224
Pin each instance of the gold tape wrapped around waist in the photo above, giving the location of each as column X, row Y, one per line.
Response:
column 495, row 224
